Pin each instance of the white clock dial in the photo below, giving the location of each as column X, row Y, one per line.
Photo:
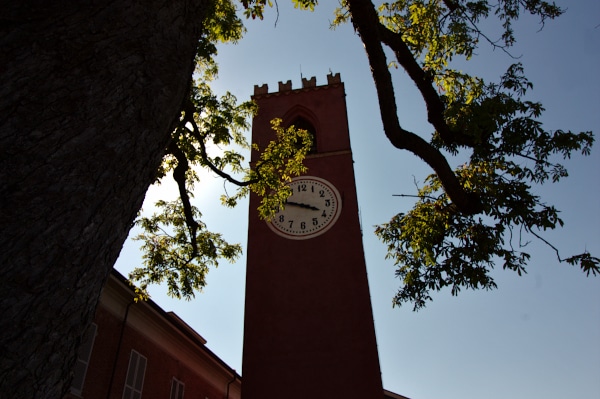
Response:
column 311, row 210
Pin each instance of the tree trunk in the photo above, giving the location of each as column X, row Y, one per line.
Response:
column 89, row 93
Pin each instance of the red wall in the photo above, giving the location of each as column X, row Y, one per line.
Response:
column 161, row 366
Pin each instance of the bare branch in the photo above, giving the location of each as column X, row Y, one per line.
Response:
column 547, row 243
column 415, row 196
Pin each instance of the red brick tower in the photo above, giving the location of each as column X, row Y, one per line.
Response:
column 308, row 330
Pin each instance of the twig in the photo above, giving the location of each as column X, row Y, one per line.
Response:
column 415, row 196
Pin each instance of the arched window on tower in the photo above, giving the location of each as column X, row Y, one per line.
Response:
column 302, row 123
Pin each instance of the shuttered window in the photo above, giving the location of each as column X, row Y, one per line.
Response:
column 177, row 389
column 135, row 376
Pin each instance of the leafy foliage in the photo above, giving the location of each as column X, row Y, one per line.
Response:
column 466, row 220
column 278, row 163
column 175, row 256
column 178, row 248
column 469, row 219
column 437, row 244
column 255, row 8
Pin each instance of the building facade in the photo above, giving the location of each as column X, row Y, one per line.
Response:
column 137, row 350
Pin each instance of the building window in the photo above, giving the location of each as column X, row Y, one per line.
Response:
column 177, row 389
column 135, row 376
column 83, row 359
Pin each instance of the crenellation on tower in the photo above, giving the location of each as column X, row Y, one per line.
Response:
column 307, row 84
column 333, row 79
column 287, row 86
column 312, row 82
column 262, row 89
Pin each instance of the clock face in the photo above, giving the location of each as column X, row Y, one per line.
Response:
column 311, row 210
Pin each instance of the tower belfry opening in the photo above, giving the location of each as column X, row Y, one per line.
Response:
column 302, row 123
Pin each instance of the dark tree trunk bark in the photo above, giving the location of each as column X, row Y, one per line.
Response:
column 89, row 92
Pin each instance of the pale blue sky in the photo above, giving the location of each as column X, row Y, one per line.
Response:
column 536, row 336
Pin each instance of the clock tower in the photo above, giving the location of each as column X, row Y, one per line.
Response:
column 308, row 328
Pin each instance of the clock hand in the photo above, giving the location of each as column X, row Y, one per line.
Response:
column 301, row 205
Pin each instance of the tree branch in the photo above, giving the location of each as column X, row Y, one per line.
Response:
column 423, row 81
column 188, row 118
column 415, row 196
column 366, row 21
column 451, row 5
column 179, row 176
